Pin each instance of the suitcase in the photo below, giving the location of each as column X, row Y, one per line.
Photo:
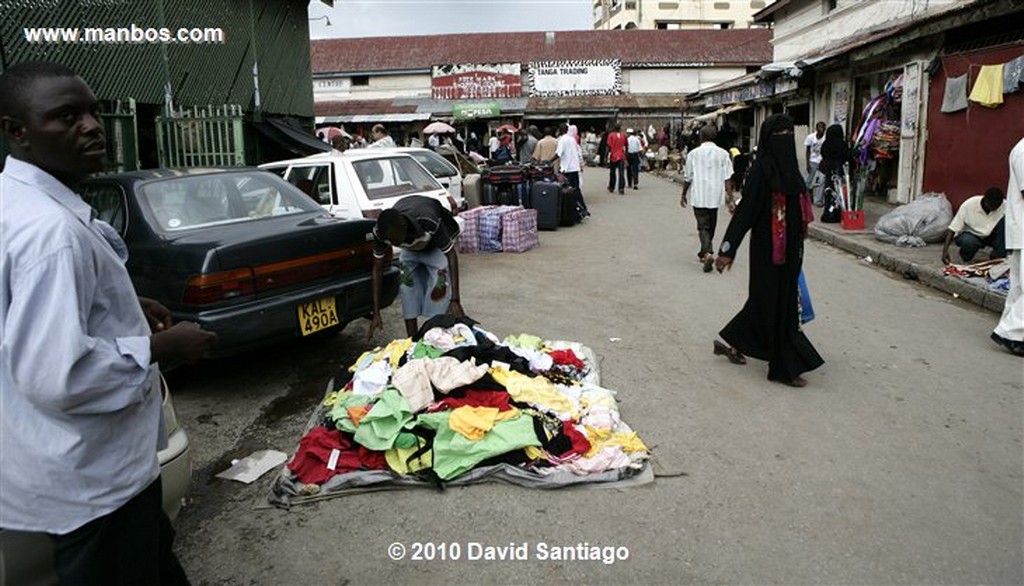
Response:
column 570, row 212
column 546, row 198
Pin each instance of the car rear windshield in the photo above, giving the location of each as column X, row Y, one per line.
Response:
column 393, row 176
column 183, row 203
column 436, row 164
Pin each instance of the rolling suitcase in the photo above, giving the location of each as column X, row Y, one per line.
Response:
column 570, row 212
column 546, row 198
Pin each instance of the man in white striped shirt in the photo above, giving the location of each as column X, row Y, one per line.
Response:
column 708, row 177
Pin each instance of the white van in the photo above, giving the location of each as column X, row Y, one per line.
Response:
column 361, row 182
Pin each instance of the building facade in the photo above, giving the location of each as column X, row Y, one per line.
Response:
column 674, row 15
column 587, row 77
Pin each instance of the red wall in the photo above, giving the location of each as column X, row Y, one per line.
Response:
column 967, row 151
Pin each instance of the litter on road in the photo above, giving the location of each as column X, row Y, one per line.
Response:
column 455, row 405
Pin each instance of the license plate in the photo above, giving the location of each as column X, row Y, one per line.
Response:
column 317, row 315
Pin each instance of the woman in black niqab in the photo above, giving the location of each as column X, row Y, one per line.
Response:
column 775, row 209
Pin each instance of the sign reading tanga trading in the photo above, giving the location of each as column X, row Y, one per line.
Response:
column 473, row 82
column 575, row 78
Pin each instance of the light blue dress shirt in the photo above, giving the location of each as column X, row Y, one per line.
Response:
column 80, row 404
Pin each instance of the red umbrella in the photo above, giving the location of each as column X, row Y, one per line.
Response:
column 507, row 128
column 329, row 132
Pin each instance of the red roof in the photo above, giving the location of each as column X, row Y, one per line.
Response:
column 360, row 107
column 712, row 47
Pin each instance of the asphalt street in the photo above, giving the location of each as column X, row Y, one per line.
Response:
column 900, row 463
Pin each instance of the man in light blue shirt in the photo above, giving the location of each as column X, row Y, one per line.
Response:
column 80, row 401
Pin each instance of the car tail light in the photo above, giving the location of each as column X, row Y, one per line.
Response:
column 221, row 286
column 310, row 268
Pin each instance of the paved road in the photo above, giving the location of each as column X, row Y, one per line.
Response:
column 901, row 462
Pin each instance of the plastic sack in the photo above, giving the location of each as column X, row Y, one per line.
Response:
column 914, row 224
column 804, row 300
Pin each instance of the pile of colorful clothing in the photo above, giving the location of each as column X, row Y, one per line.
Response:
column 992, row 275
column 455, row 405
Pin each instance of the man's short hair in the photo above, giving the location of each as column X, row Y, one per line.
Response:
column 708, row 132
column 379, row 128
column 15, row 82
column 993, row 195
column 388, row 218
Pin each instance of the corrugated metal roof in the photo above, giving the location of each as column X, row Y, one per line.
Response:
column 697, row 48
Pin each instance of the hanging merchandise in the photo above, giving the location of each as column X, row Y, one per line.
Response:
column 1013, row 75
column 988, row 88
column 955, row 97
column 524, row 410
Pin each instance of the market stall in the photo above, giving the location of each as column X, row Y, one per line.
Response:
column 456, row 405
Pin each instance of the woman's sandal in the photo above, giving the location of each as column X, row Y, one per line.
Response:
column 729, row 352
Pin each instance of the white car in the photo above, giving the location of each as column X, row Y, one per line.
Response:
column 27, row 558
column 361, row 182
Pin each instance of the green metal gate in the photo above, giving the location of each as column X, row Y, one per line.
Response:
column 210, row 136
column 118, row 119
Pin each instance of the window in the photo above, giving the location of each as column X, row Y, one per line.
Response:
column 757, row 4
column 829, row 5
column 314, row 181
column 391, row 177
column 108, row 201
column 361, row 80
column 630, row 5
column 721, row 6
column 183, row 203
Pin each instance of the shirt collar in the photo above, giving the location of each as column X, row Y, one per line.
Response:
column 32, row 175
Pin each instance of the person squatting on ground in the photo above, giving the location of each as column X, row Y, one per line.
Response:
column 81, row 419
column 616, row 143
column 776, row 210
column 708, row 177
column 978, row 224
column 1009, row 332
column 426, row 233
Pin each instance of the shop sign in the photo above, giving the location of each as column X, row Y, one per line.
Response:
column 840, row 101
column 473, row 82
column 470, row 111
column 575, row 78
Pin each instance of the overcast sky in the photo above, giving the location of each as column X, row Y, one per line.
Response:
column 381, row 18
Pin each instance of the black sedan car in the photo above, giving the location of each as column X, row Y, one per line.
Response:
column 241, row 252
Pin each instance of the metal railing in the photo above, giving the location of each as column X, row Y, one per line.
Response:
column 210, row 136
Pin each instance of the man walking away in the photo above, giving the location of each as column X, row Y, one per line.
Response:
column 1010, row 330
column 80, row 396
column 426, row 233
column 616, row 159
column 977, row 224
column 708, row 176
column 634, row 150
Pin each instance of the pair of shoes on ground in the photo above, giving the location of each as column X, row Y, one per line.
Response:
column 1015, row 347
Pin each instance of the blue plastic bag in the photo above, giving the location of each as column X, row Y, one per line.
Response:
column 804, row 300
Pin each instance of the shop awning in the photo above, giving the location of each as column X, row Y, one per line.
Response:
column 289, row 134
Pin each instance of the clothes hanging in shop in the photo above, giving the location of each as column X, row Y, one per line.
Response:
column 955, row 97
column 988, row 88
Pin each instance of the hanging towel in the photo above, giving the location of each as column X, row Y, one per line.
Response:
column 988, row 88
column 955, row 98
column 1013, row 75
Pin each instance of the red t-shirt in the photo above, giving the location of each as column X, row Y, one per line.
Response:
column 616, row 147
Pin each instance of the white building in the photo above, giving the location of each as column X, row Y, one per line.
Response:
column 679, row 14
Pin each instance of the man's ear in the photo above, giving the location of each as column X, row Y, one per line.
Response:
column 14, row 130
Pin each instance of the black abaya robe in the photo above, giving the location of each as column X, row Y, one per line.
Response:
column 768, row 326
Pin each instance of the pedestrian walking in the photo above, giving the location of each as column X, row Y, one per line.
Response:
column 812, row 154
column 708, row 177
column 426, row 233
column 776, row 210
column 1010, row 330
column 616, row 142
column 634, row 150
column 80, row 393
